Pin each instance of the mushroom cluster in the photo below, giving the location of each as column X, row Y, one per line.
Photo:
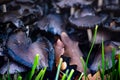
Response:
column 57, row 29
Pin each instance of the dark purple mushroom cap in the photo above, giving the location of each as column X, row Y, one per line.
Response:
column 65, row 3
column 113, row 24
column 25, row 1
column 86, row 18
column 12, row 67
column 111, row 5
column 108, row 56
column 5, row 1
column 22, row 50
column 12, row 17
column 53, row 23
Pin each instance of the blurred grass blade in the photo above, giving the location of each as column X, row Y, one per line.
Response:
column 43, row 73
column 103, row 59
column 119, row 65
column 70, row 75
column 94, row 38
column 81, row 76
column 19, row 77
column 58, row 69
column 39, row 75
column 36, row 61
column 65, row 75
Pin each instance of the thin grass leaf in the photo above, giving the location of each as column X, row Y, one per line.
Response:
column 65, row 75
column 58, row 69
column 19, row 77
column 113, row 63
column 39, row 75
column 93, row 42
column 103, row 63
column 80, row 76
column 70, row 75
column 43, row 73
column 84, row 66
column 119, row 65
column 36, row 61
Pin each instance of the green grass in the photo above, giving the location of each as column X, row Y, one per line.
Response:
column 58, row 69
column 39, row 75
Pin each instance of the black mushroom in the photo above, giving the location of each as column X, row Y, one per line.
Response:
column 53, row 23
column 86, row 18
column 113, row 24
column 65, row 3
column 22, row 50
column 12, row 68
column 108, row 46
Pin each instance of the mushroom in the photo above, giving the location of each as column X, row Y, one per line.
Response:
column 26, row 1
column 64, row 3
column 12, row 68
column 21, row 49
column 113, row 24
column 111, row 5
column 102, row 34
column 53, row 23
column 11, row 17
column 87, row 19
column 108, row 46
column 5, row 1
column 72, row 3
column 72, row 50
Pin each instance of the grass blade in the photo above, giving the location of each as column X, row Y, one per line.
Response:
column 103, row 59
column 65, row 75
column 70, row 75
column 93, row 42
column 58, row 69
column 43, row 73
column 36, row 61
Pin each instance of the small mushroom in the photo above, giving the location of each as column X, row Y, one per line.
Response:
column 64, row 3
column 102, row 34
column 21, row 49
column 26, row 1
column 53, row 23
column 5, row 1
column 72, row 50
column 111, row 5
column 113, row 24
column 107, row 55
column 86, row 19
column 12, row 17
column 12, row 68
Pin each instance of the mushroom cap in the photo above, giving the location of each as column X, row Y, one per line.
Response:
column 12, row 17
column 22, row 50
column 86, row 18
column 25, row 1
column 65, row 3
column 111, row 5
column 53, row 23
column 107, row 55
column 113, row 24
column 5, row 1
column 12, row 67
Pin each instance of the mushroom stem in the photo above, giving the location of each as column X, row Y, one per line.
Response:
column 28, row 30
column 4, row 8
column 57, row 10
column 89, row 32
column 100, row 3
column 72, row 10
